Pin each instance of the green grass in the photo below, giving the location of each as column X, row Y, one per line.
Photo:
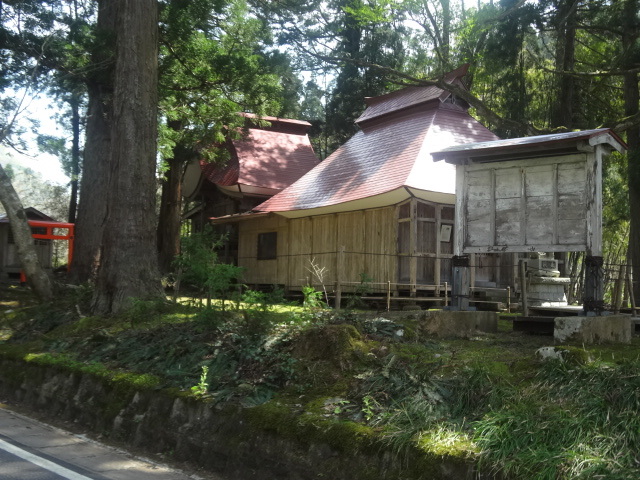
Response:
column 486, row 399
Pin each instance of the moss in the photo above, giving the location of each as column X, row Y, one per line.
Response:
column 444, row 442
column 575, row 355
column 310, row 426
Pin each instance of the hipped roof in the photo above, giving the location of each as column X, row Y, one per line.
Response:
column 270, row 156
column 389, row 160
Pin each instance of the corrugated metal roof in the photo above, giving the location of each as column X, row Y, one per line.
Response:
column 266, row 158
column 478, row 149
column 407, row 97
column 383, row 157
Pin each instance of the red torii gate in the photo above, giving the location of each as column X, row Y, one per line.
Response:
column 49, row 234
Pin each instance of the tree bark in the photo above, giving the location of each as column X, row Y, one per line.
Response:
column 631, row 105
column 37, row 278
column 170, row 215
column 565, row 62
column 92, row 208
column 75, row 157
column 129, row 263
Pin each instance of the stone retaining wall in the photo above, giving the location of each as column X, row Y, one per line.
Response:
column 226, row 441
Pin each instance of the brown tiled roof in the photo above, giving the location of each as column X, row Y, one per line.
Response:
column 271, row 157
column 408, row 97
column 383, row 157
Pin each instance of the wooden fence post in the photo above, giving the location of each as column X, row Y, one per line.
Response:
column 339, row 264
column 523, row 289
column 461, row 283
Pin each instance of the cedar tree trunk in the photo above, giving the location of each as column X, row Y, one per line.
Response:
column 631, row 105
column 170, row 215
column 92, row 208
column 129, row 263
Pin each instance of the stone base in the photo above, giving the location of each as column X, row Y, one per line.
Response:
column 547, row 291
column 593, row 330
column 462, row 324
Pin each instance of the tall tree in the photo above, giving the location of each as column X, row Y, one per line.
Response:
column 213, row 65
column 129, row 266
column 92, row 208
column 630, row 23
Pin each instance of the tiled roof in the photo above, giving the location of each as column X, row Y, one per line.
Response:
column 266, row 158
column 385, row 156
column 408, row 97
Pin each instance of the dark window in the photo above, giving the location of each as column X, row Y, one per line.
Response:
column 267, row 245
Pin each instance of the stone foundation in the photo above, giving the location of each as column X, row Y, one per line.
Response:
column 593, row 330
column 460, row 324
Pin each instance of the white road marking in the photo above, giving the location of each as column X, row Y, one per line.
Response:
column 41, row 462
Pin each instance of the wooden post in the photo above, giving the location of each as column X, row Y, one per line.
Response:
column 339, row 264
column 446, row 294
column 388, row 295
column 523, row 289
column 413, row 241
column 631, row 295
column 618, row 289
column 508, row 299
column 461, row 283
column 592, row 300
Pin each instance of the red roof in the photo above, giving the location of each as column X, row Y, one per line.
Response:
column 273, row 156
column 387, row 155
column 408, row 97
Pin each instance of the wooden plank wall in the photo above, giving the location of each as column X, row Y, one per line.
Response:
column 368, row 238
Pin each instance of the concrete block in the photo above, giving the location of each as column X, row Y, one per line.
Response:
column 461, row 324
column 593, row 330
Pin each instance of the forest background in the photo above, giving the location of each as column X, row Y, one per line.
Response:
column 137, row 81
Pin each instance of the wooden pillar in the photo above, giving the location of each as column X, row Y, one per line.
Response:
column 593, row 302
column 461, row 283
column 523, row 289
column 339, row 264
column 413, row 242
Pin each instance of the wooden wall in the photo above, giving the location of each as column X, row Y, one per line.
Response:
column 346, row 245
column 366, row 238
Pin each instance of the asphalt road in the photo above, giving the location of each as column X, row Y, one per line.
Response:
column 31, row 450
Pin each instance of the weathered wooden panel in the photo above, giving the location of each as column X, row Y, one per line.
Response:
column 426, row 237
column 324, row 250
column 572, row 178
column 571, row 230
column 479, row 214
column 540, row 225
column 508, row 183
column 300, row 244
column 351, row 234
column 536, row 204
column 507, row 223
column 380, row 243
column 539, row 181
column 477, row 184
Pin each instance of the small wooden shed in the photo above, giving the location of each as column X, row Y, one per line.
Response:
column 378, row 208
column 533, row 194
column 9, row 261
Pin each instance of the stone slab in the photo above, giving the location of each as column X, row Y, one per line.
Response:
column 593, row 330
column 460, row 324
